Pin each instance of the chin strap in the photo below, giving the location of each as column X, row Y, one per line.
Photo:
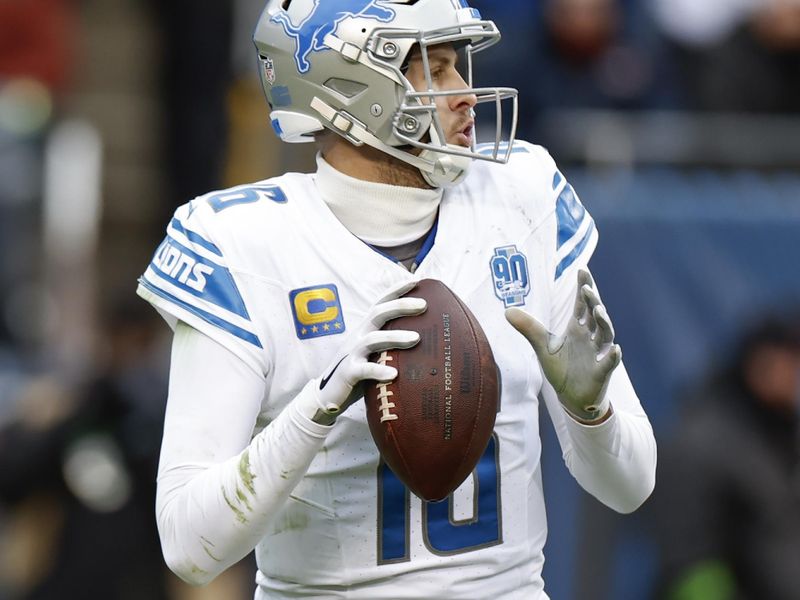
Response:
column 448, row 169
column 437, row 168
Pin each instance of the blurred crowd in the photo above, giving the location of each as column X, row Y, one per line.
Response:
column 79, row 439
column 715, row 55
column 727, row 509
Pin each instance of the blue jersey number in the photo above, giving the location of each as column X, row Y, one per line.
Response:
column 442, row 533
column 246, row 195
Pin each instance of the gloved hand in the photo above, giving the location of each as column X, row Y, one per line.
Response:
column 578, row 364
column 327, row 396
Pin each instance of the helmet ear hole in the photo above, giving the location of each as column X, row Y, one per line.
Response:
column 407, row 60
column 347, row 88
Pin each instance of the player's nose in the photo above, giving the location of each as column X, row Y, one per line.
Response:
column 464, row 100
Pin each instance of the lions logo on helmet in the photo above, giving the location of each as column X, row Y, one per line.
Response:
column 324, row 19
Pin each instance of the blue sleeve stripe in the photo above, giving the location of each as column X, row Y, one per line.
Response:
column 570, row 214
column 198, row 276
column 576, row 252
column 242, row 334
column 195, row 237
column 557, row 179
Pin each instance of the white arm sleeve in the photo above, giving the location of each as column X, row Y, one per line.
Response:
column 616, row 460
column 218, row 489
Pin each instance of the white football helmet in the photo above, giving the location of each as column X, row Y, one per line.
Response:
column 338, row 64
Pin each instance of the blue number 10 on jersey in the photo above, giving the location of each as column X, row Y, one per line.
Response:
column 443, row 534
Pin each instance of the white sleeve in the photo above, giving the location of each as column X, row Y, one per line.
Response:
column 218, row 488
column 614, row 461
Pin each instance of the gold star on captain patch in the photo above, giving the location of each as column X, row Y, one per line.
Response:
column 315, row 329
column 337, row 325
column 326, row 327
column 304, row 331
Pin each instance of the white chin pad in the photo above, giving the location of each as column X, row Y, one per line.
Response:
column 448, row 169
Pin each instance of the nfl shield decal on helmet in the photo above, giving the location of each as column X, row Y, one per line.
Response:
column 510, row 274
column 323, row 20
column 269, row 70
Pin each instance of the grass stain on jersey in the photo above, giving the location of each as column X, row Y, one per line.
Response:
column 293, row 520
column 246, row 473
column 247, row 477
column 242, row 498
column 206, row 543
column 240, row 516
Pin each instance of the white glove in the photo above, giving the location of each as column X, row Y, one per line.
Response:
column 327, row 396
column 579, row 363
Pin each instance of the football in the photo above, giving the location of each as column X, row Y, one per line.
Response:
column 433, row 422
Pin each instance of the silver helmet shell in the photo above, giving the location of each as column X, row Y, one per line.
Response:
column 338, row 64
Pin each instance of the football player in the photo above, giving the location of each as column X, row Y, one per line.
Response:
column 277, row 292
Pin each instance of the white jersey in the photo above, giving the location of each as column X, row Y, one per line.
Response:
column 269, row 272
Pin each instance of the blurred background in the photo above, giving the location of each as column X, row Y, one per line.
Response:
column 676, row 121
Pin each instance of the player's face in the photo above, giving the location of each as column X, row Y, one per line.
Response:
column 455, row 112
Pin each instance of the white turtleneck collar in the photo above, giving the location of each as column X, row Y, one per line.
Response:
column 377, row 213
